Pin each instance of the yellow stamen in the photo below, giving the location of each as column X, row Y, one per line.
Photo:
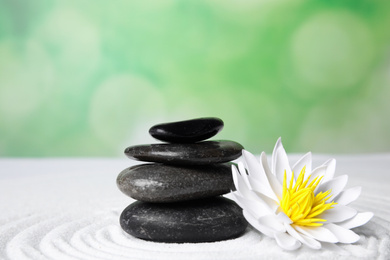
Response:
column 305, row 182
column 291, row 181
column 299, row 202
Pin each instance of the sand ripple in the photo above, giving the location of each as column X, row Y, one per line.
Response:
column 72, row 235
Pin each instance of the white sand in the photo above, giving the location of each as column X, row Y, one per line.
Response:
column 69, row 209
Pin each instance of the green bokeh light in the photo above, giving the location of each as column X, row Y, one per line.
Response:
column 88, row 78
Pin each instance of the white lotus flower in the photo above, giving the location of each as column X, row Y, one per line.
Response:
column 296, row 205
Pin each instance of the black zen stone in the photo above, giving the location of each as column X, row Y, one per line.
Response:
column 207, row 152
column 206, row 220
column 188, row 131
column 166, row 183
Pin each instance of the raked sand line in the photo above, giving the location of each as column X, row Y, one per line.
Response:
column 71, row 235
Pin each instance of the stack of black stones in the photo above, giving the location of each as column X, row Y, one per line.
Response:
column 179, row 193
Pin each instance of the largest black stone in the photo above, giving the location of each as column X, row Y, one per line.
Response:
column 205, row 220
column 167, row 183
column 207, row 152
column 188, row 131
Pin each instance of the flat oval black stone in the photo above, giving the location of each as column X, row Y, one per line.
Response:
column 188, row 131
column 166, row 183
column 205, row 220
column 207, row 152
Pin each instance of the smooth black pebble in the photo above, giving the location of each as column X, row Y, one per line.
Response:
column 188, row 131
column 202, row 153
column 206, row 220
column 166, row 183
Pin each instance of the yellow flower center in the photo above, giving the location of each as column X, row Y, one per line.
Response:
column 300, row 204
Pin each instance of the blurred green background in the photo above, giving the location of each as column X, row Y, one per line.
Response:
column 90, row 77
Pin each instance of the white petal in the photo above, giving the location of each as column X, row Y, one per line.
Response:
column 273, row 159
column 343, row 235
column 259, row 186
column 246, row 186
column 239, row 183
column 281, row 165
column 255, row 207
column 238, row 199
column 254, row 223
column 264, row 191
column 359, row 220
column 286, row 241
column 304, row 161
column 347, row 196
column 275, row 184
column 257, row 177
column 336, row 185
column 284, row 218
column 264, row 164
column 271, row 203
column 318, row 233
column 254, row 168
column 310, row 242
column 338, row 213
column 317, row 172
column 330, row 169
column 272, row 222
column 244, row 174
